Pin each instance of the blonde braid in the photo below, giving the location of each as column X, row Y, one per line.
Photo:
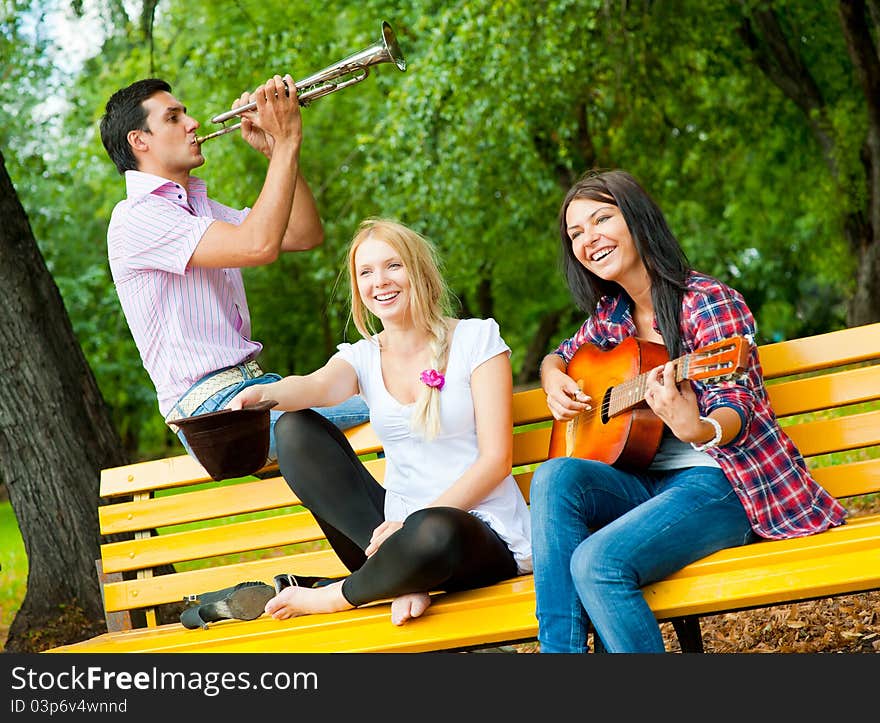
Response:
column 426, row 411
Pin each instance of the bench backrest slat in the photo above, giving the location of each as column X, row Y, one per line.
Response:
column 835, row 435
column 530, row 406
column 224, row 539
column 850, row 479
column 812, row 394
column 148, row 592
column 204, row 504
column 836, row 348
column 150, row 476
column 530, row 446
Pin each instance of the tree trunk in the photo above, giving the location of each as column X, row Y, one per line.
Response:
column 55, row 437
column 864, row 306
column 539, row 347
column 782, row 63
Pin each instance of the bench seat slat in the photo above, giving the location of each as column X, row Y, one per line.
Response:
column 813, row 576
column 858, row 531
column 503, row 612
column 123, row 595
column 151, row 591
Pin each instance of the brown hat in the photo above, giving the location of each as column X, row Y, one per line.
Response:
column 230, row 442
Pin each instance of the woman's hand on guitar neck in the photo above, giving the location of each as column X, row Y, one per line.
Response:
column 675, row 404
column 565, row 398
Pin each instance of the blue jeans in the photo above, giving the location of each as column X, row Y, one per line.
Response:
column 351, row 412
column 600, row 533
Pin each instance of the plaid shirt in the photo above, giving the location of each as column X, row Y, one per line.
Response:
column 766, row 470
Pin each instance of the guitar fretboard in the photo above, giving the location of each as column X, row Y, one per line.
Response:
column 628, row 394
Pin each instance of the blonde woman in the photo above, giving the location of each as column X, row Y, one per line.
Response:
column 449, row 516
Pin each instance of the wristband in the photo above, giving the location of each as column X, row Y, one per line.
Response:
column 712, row 442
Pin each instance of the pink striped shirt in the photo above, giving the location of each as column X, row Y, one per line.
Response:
column 186, row 322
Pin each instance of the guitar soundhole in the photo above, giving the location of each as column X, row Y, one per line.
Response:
column 606, row 405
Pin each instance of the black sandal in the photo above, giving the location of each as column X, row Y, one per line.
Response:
column 245, row 601
column 287, row 580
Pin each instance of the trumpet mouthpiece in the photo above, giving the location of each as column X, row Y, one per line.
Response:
column 215, row 134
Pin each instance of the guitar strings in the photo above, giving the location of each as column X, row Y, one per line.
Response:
column 627, row 394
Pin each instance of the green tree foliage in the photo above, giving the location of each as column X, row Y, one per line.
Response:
column 503, row 104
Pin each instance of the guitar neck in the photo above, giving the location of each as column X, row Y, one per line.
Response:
column 626, row 395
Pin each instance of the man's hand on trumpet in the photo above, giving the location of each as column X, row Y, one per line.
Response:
column 277, row 117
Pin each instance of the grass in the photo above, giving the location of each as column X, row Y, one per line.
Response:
column 13, row 568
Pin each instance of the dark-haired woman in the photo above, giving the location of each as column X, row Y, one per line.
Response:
column 724, row 473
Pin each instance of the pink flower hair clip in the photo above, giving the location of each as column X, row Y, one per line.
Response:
column 432, row 378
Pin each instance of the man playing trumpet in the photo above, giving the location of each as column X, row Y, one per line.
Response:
column 176, row 255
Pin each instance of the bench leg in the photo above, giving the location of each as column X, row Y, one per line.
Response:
column 687, row 630
column 115, row 621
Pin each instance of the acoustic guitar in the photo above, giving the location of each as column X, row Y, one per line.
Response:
column 620, row 428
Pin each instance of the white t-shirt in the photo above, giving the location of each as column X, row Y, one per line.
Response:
column 418, row 471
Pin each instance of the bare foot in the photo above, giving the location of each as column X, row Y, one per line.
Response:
column 409, row 606
column 293, row 601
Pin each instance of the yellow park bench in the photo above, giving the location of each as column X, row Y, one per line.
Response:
column 824, row 388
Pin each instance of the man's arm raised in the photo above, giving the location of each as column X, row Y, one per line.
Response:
column 304, row 228
column 259, row 239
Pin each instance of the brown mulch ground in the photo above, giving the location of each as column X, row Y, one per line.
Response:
column 846, row 624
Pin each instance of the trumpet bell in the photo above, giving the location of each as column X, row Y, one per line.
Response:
column 331, row 78
column 391, row 46
column 324, row 82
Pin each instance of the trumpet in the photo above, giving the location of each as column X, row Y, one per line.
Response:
column 330, row 79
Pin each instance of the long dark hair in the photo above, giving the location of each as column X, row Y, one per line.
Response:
column 658, row 247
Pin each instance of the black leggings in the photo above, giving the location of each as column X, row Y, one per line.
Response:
column 438, row 548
